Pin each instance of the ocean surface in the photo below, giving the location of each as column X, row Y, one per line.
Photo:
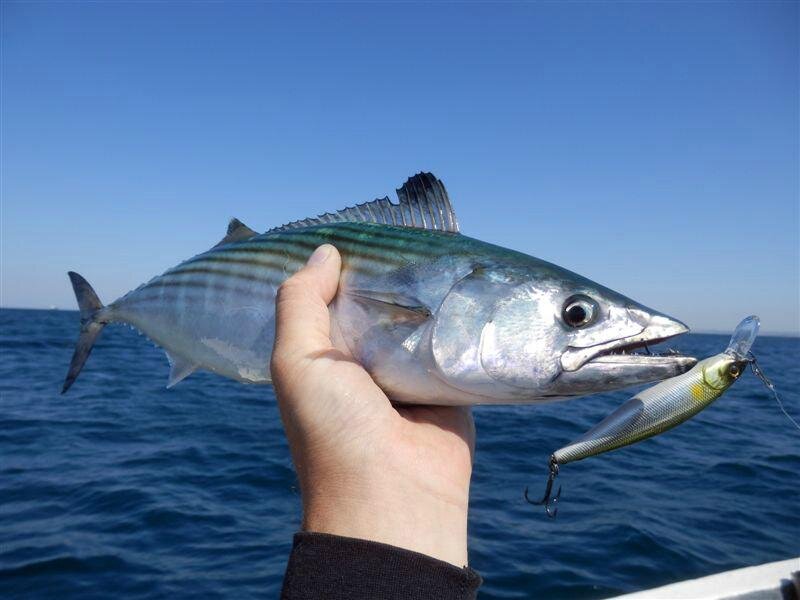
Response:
column 125, row 489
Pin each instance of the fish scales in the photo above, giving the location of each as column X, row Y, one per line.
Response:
column 245, row 277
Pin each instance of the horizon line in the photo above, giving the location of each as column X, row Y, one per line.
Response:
column 764, row 333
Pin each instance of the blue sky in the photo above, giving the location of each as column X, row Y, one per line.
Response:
column 652, row 147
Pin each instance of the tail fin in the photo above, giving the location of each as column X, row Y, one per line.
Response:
column 91, row 326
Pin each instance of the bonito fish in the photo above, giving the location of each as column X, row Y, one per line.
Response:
column 434, row 316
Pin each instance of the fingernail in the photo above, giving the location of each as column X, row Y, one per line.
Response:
column 320, row 255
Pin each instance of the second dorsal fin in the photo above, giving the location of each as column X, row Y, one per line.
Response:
column 423, row 203
column 237, row 231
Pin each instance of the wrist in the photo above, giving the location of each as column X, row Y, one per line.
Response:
column 403, row 515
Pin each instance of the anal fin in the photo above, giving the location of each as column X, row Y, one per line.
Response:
column 180, row 369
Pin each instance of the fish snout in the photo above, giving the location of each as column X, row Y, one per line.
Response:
column 657, row 326
column 661, row 327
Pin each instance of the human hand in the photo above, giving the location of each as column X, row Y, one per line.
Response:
column 367, row 469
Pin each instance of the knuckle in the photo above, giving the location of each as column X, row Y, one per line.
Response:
column 291, row 287
column 286, row 370
column 282, row 364
column 277, row 362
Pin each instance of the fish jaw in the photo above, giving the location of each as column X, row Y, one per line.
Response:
column 614, row 365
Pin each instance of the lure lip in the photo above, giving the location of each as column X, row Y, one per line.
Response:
column 743, row 337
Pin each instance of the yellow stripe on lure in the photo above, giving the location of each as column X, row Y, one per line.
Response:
column 659, row 408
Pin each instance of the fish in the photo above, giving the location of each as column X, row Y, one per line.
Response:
column 661, row 407
column 436, row 317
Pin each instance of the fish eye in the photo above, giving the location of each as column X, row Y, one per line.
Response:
column 579, row 311
column 733, row 370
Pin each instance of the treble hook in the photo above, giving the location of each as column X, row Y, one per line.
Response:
column 550, row 503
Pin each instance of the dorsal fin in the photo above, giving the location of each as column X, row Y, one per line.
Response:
column 237, row 231
column 423, row 203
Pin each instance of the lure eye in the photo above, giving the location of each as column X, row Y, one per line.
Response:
column 734, row 371
column 579, row 311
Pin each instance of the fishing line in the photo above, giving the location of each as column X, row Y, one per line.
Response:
column 760, row 374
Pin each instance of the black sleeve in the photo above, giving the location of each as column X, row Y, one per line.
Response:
column 332, row 567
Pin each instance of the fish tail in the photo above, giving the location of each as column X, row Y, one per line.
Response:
column 92, row 324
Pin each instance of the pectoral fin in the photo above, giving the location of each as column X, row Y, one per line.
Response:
column 392, row 306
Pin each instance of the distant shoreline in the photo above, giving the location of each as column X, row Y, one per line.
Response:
column 778, row 334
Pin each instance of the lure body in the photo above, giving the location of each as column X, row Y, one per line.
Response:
column 658, row 408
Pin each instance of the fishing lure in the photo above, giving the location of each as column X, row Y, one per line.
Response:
column 660, row 407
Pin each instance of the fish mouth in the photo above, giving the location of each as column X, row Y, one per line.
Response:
column 624, row 362
column 632, row 352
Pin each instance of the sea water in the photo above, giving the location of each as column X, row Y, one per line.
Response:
column 122, row 488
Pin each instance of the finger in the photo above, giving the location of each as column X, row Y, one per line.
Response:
column 302, row 319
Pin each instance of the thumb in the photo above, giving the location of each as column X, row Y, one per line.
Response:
column 302, row 319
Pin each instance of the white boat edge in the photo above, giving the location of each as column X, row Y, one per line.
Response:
column 767, row 581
